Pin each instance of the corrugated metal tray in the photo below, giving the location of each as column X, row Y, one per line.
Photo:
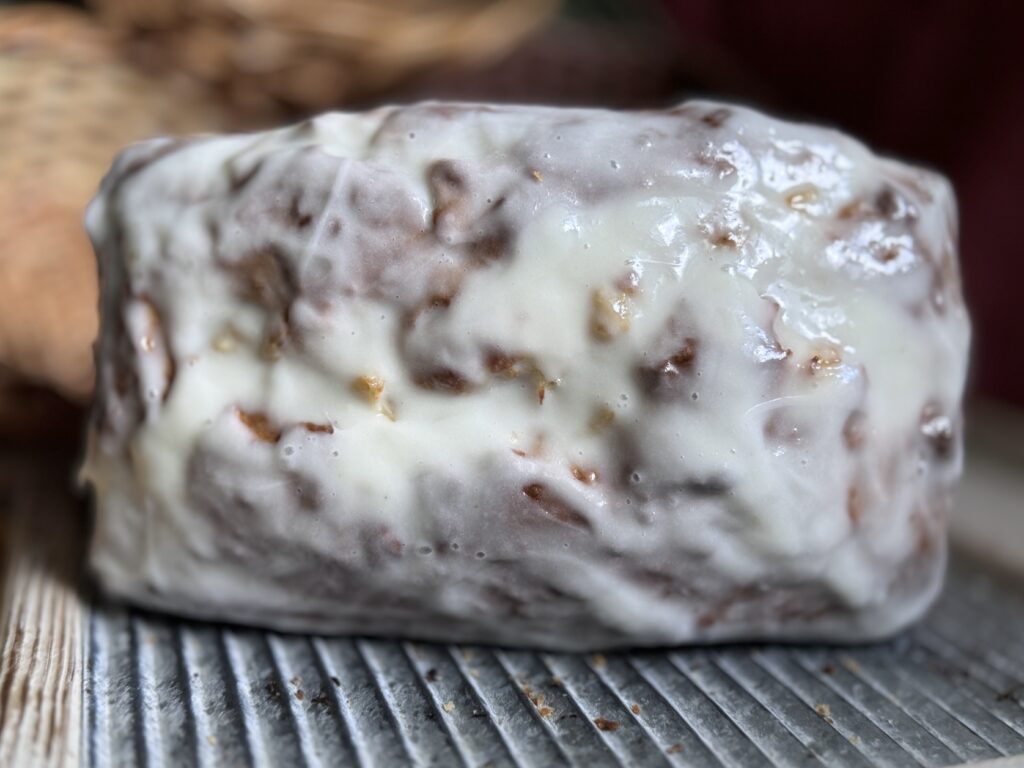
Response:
column 164, row 692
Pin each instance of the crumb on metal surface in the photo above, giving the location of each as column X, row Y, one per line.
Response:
column 537, row 699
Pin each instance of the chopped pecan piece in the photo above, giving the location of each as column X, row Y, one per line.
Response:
column 259, row 424
column 609, row 315
column 555, row 507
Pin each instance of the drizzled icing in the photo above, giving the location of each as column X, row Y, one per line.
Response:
column 561, row 377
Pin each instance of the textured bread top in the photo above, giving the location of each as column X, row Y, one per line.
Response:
column 742, row 336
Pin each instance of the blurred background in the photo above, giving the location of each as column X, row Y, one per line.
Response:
column 938, row 83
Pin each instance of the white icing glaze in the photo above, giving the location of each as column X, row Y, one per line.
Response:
column 750, row 331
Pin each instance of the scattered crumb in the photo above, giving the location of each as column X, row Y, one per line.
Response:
column 321, row 698
column 1010, row 694
column 674, row 749
column 300, row 694
column 635, row 709
column 605, row 724
column 828, row 669
column 556, row 680
column 336, row 681
column 537, row 699
column 853, row 738
column 273, row 691
column 824, row 711
column 296, row 680
column 850, row 663
column 537, row 175
column 431, row 675
column 467, row 655
column 211, row 740
column 448, row 706
column 599, row 661
column 474, row 672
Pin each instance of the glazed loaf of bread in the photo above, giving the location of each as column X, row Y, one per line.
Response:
column 552, row 377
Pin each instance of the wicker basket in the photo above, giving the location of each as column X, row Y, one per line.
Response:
column 269, row 56
column 67, row 105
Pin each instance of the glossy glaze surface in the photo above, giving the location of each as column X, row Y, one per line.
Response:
column 560, row 377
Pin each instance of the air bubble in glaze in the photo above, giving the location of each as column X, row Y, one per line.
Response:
column 424, row 550
column 288, row 450
column 481, row 555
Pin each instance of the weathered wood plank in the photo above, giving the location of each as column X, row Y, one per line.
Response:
column 41, row 614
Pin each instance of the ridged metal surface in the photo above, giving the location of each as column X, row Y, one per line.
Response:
column 164, row 692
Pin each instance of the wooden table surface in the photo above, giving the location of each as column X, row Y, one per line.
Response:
column 42, row 530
